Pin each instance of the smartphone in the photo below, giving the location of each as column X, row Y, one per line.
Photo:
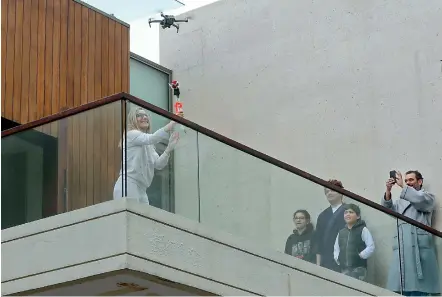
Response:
column 393, row 174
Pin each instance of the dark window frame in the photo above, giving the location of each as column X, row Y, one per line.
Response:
column 168, row 205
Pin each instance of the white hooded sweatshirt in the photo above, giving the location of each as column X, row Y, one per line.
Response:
column 142, row 159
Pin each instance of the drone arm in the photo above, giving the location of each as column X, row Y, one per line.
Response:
column 182, row 21
column 155, row 21
column 177, row 27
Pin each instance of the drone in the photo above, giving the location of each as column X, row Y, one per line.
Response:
column 167, row 21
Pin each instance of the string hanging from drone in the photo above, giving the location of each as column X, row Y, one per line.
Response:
column 175, row 86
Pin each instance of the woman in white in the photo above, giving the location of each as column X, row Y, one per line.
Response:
column 142, row 159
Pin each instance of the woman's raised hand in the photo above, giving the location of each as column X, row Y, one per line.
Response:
column 173, row 140
column 169, row 127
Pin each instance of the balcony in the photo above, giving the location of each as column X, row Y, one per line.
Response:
column 221, row 215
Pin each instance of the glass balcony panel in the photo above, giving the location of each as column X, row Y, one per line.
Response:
column 60, row 166
column 418, row 253
column 272, row 207
column 81, row 160
column 171, row 169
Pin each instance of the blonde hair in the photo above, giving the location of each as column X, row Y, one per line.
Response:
column 132, row 122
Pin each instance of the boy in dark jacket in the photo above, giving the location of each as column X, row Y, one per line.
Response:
column 354, row 244
column 300, row 243
column 329, row 222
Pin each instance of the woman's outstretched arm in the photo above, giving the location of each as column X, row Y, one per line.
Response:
column 137, row 137
column 161, row 161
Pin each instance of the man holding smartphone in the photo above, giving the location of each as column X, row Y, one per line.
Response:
column 414, row 266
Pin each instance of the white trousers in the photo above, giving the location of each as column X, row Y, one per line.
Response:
column 134, row 190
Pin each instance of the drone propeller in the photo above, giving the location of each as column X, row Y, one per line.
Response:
column 157, row 13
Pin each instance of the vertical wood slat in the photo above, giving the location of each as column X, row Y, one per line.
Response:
column 33, row 70
column 99, row 19
column 41, row 58
column 77, row 53
column 84, row 54
column 111, row 61
column 64, row 19
column 74, row 168
column 110, row 114
column 18, row 57
column 23, row 113
column 62, row 163
column 82, row 143
column 48, row 58
column 122, row 65
column 55, row 92
column 116, row 160
column 103, row 156
column 61, row 128
column 87, row 150
column 125, row 57
column 70, row 164
column 70, row 74
column 96, row 153
column 97, row 121
column 90, row 131
column 56, row 40
column 105, row 90
column 117, row 57
column 4, row 32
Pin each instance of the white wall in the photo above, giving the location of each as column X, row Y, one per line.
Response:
column 340, row 89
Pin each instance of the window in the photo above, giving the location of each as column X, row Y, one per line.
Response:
column 150, row 82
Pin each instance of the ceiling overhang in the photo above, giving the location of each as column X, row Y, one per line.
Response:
column 119, row 283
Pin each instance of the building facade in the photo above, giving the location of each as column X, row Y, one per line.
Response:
column 219, row 213
column 342, row 90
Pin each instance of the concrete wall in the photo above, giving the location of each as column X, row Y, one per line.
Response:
column 124, row 234
column 340, row 89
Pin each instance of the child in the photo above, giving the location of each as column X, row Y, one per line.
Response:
column 299, row 244
column 354, row 244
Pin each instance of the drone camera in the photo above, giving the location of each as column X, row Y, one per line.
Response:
column 168, row 21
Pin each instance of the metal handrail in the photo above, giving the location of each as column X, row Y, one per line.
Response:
column 222, row 139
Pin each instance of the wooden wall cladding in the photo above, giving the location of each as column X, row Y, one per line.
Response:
column 92, row 158
column 59, row 54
